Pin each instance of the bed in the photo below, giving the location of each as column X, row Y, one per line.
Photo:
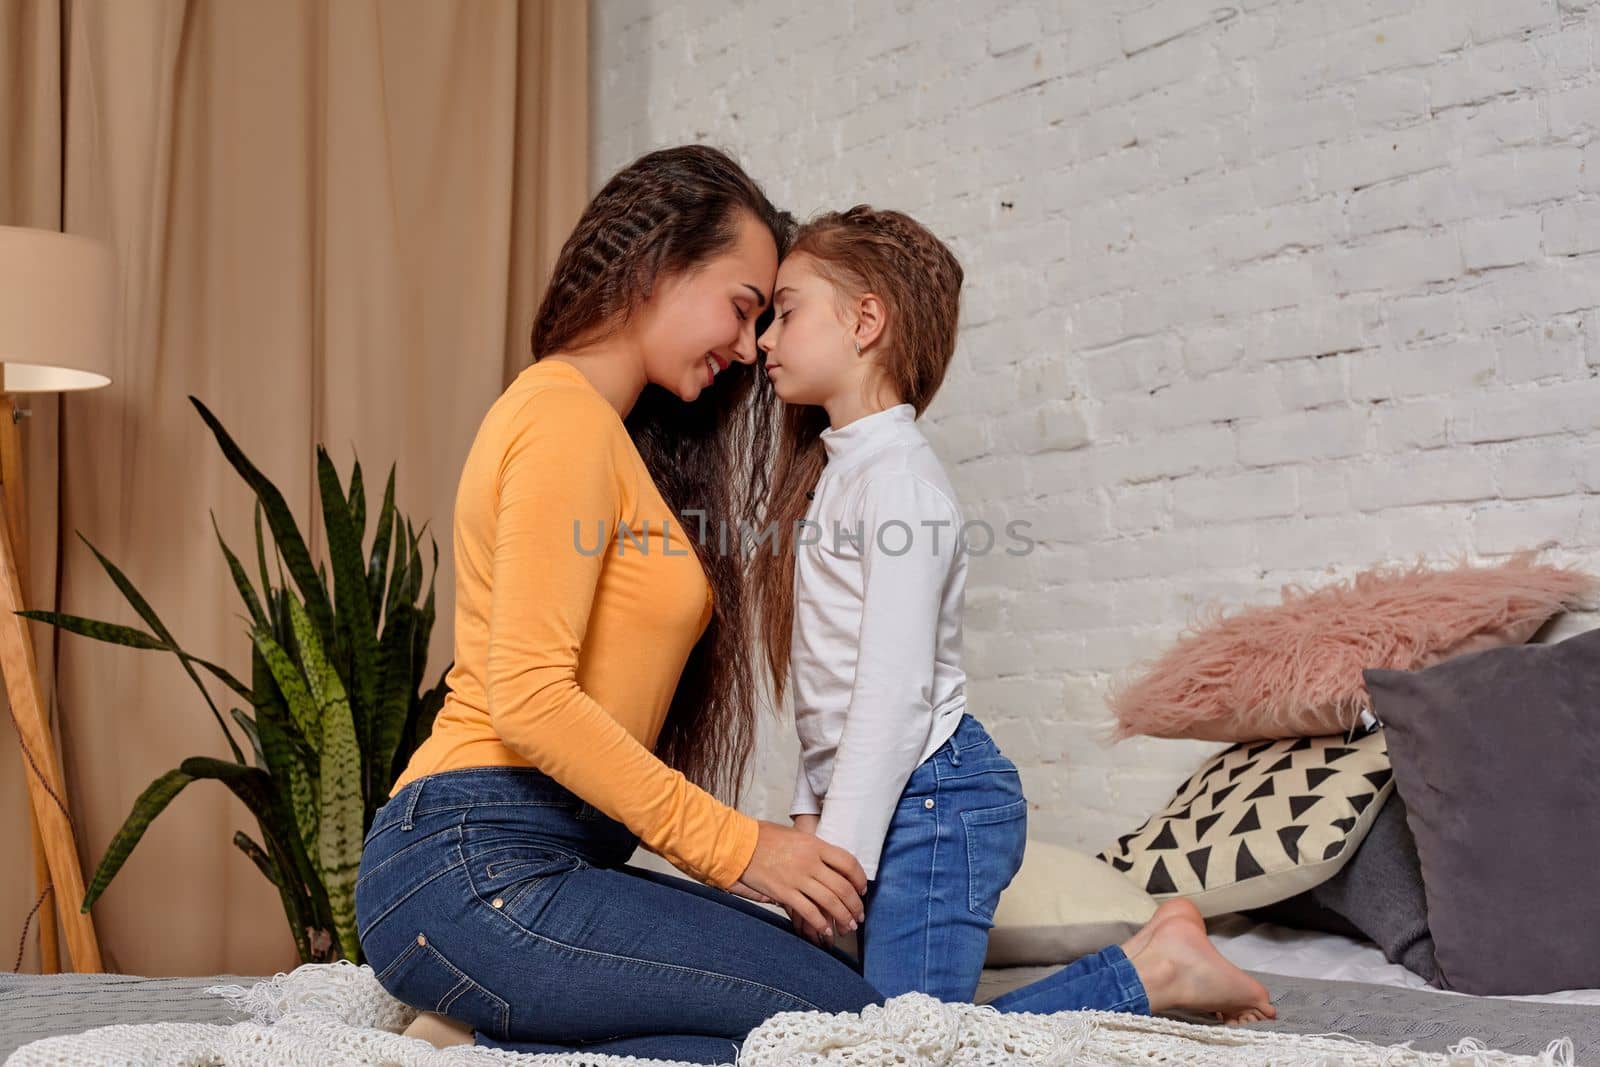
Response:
column 1327, row 983
column 1320, row 983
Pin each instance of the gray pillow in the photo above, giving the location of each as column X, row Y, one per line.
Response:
column 1496, row 756
column 1378, row 896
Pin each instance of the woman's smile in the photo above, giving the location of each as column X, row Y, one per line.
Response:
column 714, row 364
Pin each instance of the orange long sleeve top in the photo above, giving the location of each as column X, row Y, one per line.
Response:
column 578, row 600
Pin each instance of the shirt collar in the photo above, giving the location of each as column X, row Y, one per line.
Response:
column 868, row 432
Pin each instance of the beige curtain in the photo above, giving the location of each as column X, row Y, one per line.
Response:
column 332, row 222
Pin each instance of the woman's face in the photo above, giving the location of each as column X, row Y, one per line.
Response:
column 810, row 349
column 700, row 322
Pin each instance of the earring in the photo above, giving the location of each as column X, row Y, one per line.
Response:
column 858, row 348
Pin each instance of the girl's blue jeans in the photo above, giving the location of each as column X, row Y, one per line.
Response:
column 955, row 842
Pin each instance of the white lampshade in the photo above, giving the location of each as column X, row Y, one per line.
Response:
column 57, row 294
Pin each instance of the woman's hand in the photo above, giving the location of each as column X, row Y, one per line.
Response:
column 818, row 884
column 808, row 823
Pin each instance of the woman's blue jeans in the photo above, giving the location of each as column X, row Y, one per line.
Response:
column 497, row 897
column 954, row 843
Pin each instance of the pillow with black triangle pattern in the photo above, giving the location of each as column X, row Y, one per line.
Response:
column 1260, row 822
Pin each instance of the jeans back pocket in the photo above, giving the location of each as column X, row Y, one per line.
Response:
column 996, row 838
column 506, row 866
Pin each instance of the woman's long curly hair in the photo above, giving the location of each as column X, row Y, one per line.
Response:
column 666, row 213
column 862, row 250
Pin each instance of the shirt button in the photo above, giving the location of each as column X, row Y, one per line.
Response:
column 928, row 803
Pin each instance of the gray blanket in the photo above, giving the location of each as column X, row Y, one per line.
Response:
column 1431, row 1021
column 33, row 1006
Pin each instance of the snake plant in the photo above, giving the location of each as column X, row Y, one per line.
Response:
column 335, row 700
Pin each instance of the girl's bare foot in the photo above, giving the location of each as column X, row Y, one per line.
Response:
column 1181, row 969
column 1177, row 909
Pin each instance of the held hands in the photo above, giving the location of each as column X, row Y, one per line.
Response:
column 819, row 885
column 819, row 937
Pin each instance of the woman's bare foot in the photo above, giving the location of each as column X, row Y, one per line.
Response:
column 1181, row 969
column 439, row 1031
column 1178, row 909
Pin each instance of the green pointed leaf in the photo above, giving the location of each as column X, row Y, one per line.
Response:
column 380, row 549
column 395, row 698
column 261, row 555
column 109, row 632
column 248, row 725
column 127, row 637
column 293, row 685
column 351, row 600
column 258, row 856
column 223, row 676
column 291, row 905
column 358, row 502
column 406, row 560
column 289, row 770
column 428, row 708
column 424, row 629
column 341, row 829
column 241, row 580
column 289, row 760
column 152, row 802
column 148, row 614
column 288, row 754
column 291, row 545
column 252, row 785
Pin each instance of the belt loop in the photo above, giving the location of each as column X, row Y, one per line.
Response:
column 411, row 805
column 955, row 750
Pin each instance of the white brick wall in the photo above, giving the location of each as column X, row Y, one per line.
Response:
column 1257, row 292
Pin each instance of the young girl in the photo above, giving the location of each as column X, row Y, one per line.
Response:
column 863, row 619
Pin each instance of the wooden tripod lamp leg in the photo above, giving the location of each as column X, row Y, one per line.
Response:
column 46, row 785
column 13, row 483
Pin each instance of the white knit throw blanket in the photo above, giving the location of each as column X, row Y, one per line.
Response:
column 338, row 1014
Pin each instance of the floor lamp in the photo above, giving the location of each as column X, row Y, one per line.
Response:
column 57, row 294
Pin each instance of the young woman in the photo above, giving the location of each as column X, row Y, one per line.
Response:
column 603, row 688
column 862, row 611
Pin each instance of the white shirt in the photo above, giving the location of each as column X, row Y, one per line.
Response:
column 875, row 659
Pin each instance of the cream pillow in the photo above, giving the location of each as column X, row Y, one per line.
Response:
column 1260, row 823
column 1062, row 905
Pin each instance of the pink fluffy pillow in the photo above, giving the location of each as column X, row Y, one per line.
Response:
column 1294, row 669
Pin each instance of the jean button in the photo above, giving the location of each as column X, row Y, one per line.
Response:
column 928, row 803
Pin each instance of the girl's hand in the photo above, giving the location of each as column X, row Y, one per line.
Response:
column 818, row 884
column 741, row 890
column 820, row 938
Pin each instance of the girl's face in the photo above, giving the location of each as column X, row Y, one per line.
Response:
column 810, row 348
column 698, row 323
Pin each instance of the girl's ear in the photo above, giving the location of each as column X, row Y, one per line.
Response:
column 871, row 319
